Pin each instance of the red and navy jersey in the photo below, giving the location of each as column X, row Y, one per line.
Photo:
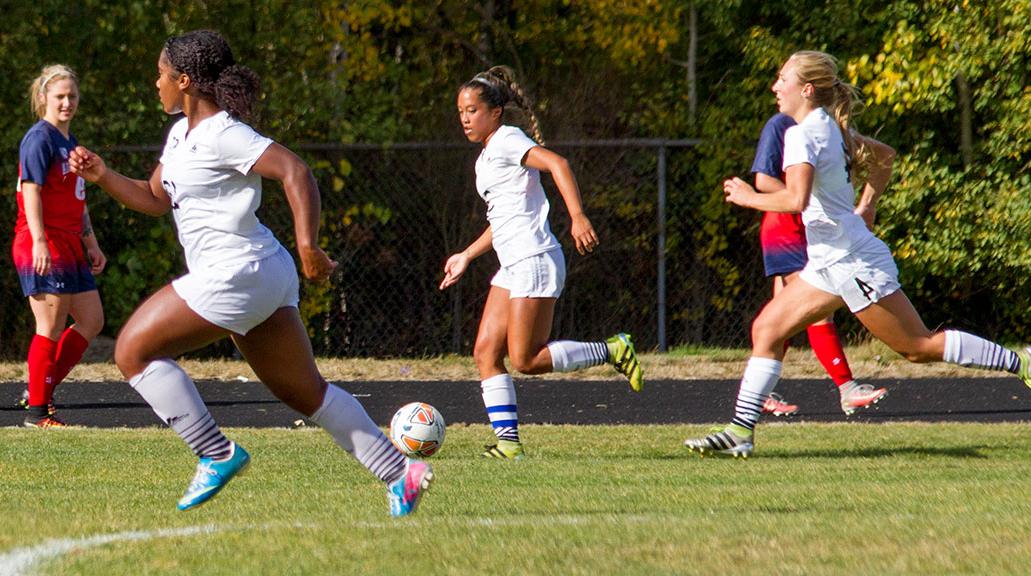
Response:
column 43, row 160
column 781, row 235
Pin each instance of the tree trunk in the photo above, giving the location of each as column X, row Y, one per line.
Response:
column 692, row 53
column 966, row 119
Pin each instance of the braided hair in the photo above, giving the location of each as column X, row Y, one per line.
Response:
column 498, row 88
column 205, row 56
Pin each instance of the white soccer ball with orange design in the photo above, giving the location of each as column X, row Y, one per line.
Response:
column 417, row 429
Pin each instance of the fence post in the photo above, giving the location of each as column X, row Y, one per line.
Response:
column 661, row 280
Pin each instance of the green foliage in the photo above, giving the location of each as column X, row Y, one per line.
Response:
column 957, row 215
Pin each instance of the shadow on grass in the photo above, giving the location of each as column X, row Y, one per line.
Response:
column 946, row 452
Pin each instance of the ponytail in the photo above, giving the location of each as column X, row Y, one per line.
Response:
column 236, row 91
column 846, row 106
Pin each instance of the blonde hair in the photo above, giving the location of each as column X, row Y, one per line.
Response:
column 835, row 95
column 498, row 88
column 39, row 86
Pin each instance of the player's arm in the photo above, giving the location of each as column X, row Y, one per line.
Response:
column 302, row 193
column 96, row 256
column 457, row 263
column 882, row 158
column 145, row 196
column 88, row 237
column 481, row 245
column 545, row 160
column 793, row 197
column 766, row 184
column 32, row 198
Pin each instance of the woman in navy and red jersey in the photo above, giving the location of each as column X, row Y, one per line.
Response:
column 55, row 251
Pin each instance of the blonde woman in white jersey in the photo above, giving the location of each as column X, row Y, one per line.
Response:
column 518, row 314
column 241, row 282
column 848, row 265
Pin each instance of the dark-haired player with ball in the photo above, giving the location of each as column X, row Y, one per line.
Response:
column 241, row 282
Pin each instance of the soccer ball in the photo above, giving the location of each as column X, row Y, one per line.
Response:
column 417, row 429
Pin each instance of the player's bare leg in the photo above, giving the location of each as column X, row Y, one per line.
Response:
column 280, row 353
column 798, row 306
column 496, row 385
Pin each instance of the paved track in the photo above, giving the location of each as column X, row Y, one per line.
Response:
column 115, row 404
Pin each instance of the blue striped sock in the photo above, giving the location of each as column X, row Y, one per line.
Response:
column 499, row 398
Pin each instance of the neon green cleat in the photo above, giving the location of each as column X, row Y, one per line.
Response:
column 733, row 440
column 1024, row 372
column 504, row 449
column 624, row 358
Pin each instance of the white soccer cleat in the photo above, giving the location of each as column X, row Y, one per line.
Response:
column 776, row 405
column 855, row 396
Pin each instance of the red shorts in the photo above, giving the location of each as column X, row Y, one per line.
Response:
column 69, row 268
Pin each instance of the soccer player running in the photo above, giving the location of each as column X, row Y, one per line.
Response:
column 782, row 238
column 241, row 282
column 517, row 316
column 848, row 265
column 53, row 225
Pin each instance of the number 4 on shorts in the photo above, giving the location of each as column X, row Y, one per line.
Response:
column 865, row 288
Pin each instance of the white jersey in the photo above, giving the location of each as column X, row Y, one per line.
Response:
column 832, row 228
column 214, row 195
column 517, row 207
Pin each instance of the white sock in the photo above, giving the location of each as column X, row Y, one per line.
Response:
column 969, row 350
column 760, row 378
column 174, row 398
column 567, row 355
column 499, row 398
column 351, row 428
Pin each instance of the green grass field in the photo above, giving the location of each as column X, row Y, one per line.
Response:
column 814, row 499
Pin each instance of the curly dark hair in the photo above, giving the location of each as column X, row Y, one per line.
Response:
column 205, row 56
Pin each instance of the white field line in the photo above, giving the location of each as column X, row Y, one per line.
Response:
column 21, row 561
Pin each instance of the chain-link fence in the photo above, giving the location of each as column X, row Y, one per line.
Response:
column 393, row 214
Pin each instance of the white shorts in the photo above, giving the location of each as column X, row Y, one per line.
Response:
column 860, row 279
column 539, row 276
column 239, row 297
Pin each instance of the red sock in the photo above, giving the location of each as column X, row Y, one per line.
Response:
column 41, row 367
column 69, row 351
column 827, row 346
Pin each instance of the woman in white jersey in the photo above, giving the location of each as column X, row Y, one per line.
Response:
column 241, row 282
column 520, row 306
column 848, row 265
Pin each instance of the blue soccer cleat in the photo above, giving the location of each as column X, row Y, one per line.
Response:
column 405, row 492
column 213, row 475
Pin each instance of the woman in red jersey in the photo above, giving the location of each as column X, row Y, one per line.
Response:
column 55, row 251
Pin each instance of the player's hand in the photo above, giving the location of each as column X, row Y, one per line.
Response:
column 41, row 257
column 583, row 233
column 738, row 191
column 454, row 268
column 87, row 164
column 97, row 260
column 316, row 264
